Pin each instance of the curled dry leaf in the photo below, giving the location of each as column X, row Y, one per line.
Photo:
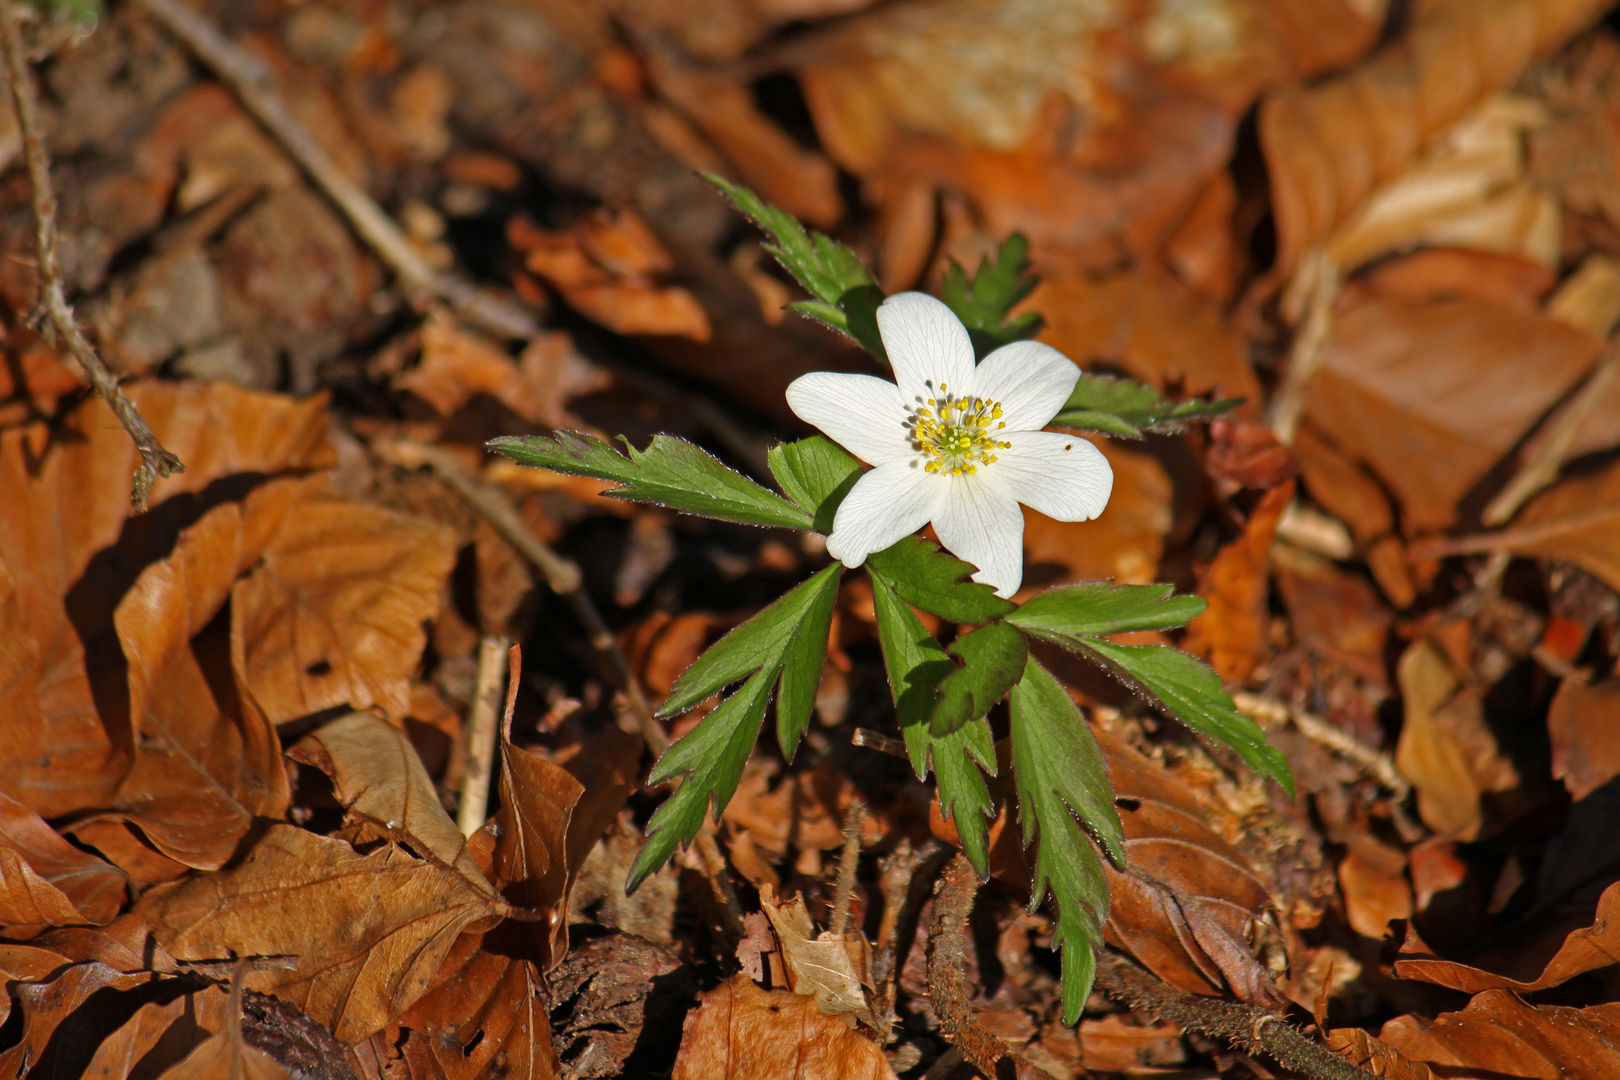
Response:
column 46, row 881
column 740, row 1032
column 1187, row 901
column 386, row 923
column 1434, row 748
column 65, row 503
column 26, row 964
column 1360, row 1048
column 381, row 782
column 1585, row 738
column 170, row 1028
column 1432, row 395
column 835, row 971
column 226, row 1054
column 48, row 1006
column 1577, row 521
column 1584, row 950
column 1232, row 634
column 531, row 860
column 1329, row 145
column 1498, row 1035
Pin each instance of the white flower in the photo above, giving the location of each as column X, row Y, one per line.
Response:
column 953, row 444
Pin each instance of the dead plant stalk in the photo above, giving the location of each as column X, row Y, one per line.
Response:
column 156, row 460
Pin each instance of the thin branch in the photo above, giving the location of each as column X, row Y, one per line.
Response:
column 1246, row 1026
column 948, row 952
column 564, row 577
column 486, row 706
column 848, row 861
column 156, row 461
column 1325, row 280
column 1269, row 711
column 251, row 84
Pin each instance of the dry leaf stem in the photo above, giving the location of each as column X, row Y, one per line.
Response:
column 848, row 861
column 949, row 948
column 1246, row 1026
column 1325, row 280
column 156, row 461
column 488, row 686
column 1269, row 711
column 251, row 83
column 564, row 577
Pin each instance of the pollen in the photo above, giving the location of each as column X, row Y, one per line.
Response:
column 955, row 434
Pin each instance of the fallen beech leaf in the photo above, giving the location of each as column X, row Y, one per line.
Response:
column 531, row 862
column 1584, row 950
column 1499, row 1035
column 25, row 964
column 378, row 777
column 806, row 811
column 1145, row 321
column 386, row 922
column 124, row 845
column 66, row 500
column 46, row 881
column 1114, row 1044
column 1360, row 1048
column 1342, row 487
column 126, row 943
column 333, row 612
column 1432, row 396
column 159, row 1034
column 1232, row 633
column 1333, row 613
column 1575, row 521
column 1185, row 904
column 1329, row 145
column 1451, row 273
column 50, row 1014
column 1372, row 878
column 834, row 971
column 740, row 1032
column 226, row 1054
column 1585, row 735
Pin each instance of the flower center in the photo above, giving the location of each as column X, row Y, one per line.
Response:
column 955, row 434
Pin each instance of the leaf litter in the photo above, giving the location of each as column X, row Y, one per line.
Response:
column 235, row 726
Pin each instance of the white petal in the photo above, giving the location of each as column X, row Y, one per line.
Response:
column 984, row 526
column 892, row 501
column 925, row 340
column 1063, row 476
column 1031, row 381
column 861, row 413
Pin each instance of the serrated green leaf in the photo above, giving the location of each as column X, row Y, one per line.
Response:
column 713, row 753
column 936, row 582
column 915, row 664
column 1062, row 777
column 1101, row 607
column 802, row 662
column 1188, row 689
column 816, row 473
column 1129, row 409
column 759, row 642
column 984, row 305
column 846, row 296
column 992, row 661
column 670, row 472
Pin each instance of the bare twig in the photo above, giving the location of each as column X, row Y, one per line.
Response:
column 251, row 84
column 1246, row 1026
column 564, row 578
column 156, row 461
column 848, row 861
column 1324, row 279
column 1269, row 711
column 487, row 692
column 948, row 950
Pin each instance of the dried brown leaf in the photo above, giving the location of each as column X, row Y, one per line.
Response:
column 53, row 1025
column 170, row 1028
column 531, row 862
column 332, row 614
column 46, row 881
column 1584, row 723
column 1428, row 753
column 1498, row 1035
column 1232, row 634
column 740, row 1032
column 834, row 971
column 381, row 782
column 1578, row 521
column 1329, row 145
column 386, row 922
column 1360, row 1048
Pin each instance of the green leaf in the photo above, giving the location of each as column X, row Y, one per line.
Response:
column 997, row 287
column 1101, row 607
column 992, row 661
column 816, row 473
column 802, row 661
column 1130, row 409
column 936, row 582
column 670, row 472
column 759, row 642
column 846, row 296
column 1188, row 689
column 915, row 664
column 1061, row 777
column 713, row 753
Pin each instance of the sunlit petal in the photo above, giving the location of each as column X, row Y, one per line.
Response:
column 982, row 525
column 1032, row 382
column 1061, row 475
column 891, row 501
column 859, row 412
column 925, row 341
